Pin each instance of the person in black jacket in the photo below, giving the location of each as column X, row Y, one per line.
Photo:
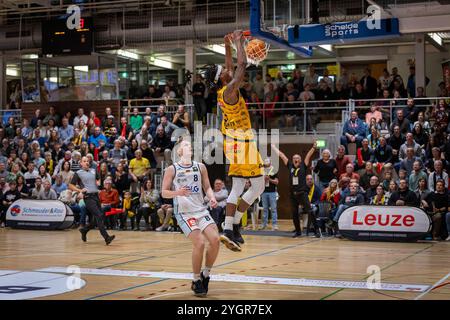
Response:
column 403, row 196
column 439, row 205
column 372, row 189
column 395, row 141
column 161, row 144
column 383, row 152
column 7, row 200
column 299, row 190
column 369, row 85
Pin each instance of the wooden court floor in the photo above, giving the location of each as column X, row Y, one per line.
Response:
column 424, row 263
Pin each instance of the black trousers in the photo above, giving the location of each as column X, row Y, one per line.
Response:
column 301, row 199
column 94, row 208
column 148, row 214
column 123, row 219
column 3, row 210
column 200, row 108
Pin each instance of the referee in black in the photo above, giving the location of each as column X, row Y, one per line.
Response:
column 299, row 189
column 85, row 179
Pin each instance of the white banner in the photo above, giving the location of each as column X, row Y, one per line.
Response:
column 37, row 211
column 384, row 219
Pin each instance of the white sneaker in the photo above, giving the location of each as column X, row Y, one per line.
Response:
column 448, row 238
column 2, row 225
column 162, row 228
column 275, row 227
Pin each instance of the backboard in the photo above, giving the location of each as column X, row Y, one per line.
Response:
column 283, row 23
column 269, row 21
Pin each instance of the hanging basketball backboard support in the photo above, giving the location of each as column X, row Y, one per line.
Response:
column 260, row 31
column 300, row 38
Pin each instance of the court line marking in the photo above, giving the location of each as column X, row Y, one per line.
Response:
column 227, row 263
column 125, row 289
column 432, row 287
column 382, row 269
column 303, row 282
column 216, row 290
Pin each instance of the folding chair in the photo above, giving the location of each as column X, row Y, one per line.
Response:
column 323, row 213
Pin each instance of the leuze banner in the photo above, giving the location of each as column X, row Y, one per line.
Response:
column 384, row 223
column 39, row 214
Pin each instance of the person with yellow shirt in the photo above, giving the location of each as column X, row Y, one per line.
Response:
column 239, row 141
column 139, row 167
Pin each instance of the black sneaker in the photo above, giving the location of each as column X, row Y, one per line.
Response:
column 227, row 238
column 297, row 234
column 198, row 288
column 205, row 281
column 83, row 235
column 237, row 234
column 109, row 239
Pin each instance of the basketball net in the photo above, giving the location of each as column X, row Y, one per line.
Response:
column 257, row 54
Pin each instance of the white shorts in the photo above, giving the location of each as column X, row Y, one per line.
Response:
column 189, row 222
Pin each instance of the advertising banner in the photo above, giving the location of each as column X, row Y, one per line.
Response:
column 340, row 32
column 384, row 223
column 39, row 214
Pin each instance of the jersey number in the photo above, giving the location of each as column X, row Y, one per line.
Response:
column 195, row 177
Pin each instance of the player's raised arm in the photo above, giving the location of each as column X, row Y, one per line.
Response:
column 207, row 186
column 228, row 55
column 233, row 87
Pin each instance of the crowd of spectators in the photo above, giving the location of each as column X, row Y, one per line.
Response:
column 405, row 163
column 401, row 158
column 38, row 158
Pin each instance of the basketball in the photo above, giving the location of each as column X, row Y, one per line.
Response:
column 256, row 49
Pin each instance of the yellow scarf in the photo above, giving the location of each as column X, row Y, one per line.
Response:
column 329, row 193
column 126, row 204
column 77, row 140
column 311, row 192
column 49, row 167
column 375, row 201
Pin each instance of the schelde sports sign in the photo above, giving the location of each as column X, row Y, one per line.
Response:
column 39, row 214
column 388, row 223
column 340, row 32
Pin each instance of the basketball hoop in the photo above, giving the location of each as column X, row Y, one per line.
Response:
column 256, row 50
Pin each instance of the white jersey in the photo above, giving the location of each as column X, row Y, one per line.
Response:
column 190, row 177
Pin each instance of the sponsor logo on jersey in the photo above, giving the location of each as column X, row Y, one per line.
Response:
column 192, row 222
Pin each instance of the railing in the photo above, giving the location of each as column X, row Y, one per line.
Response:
column 332, row 111
column 170, row 107
column 322, row 117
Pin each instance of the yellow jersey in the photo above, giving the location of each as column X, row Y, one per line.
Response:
column 239, row 145
column 236, row 119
